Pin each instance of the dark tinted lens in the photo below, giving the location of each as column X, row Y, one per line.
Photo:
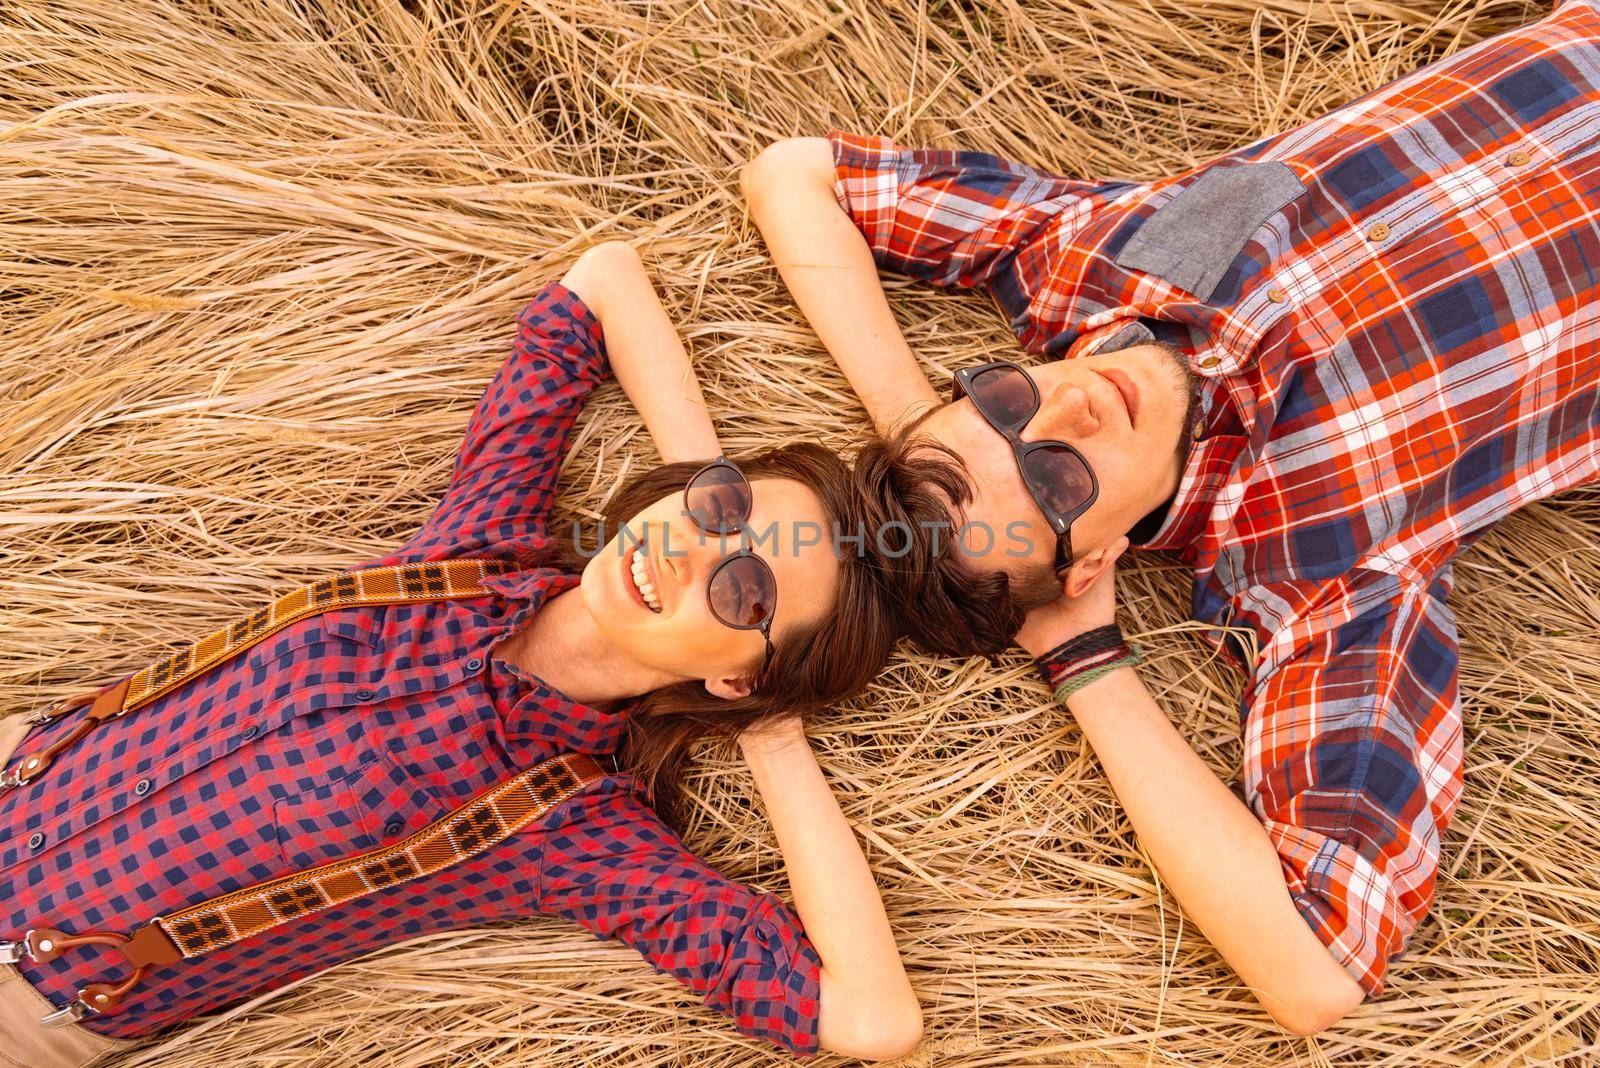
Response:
column 742, row 591
column 1005, row 395
column 718, row 499
column 1058, row 478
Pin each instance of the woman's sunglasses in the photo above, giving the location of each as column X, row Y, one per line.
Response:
column 1059, row 478
column 742, row 591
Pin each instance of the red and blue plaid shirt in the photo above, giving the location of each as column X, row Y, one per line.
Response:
column 358, row 727
column 1395, row 311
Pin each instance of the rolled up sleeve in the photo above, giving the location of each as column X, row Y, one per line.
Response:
column 1353, row 762
column 615, row 868
column 504, row 479
column 971, row 219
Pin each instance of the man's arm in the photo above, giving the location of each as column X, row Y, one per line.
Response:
column 645, row 352
column 1210, row 850
column 829, row 268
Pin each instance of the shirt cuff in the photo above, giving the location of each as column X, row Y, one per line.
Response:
column 557, row 322
column 771, row 982
column 1348, row 902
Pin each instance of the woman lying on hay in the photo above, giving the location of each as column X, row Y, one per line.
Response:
column 487, row 723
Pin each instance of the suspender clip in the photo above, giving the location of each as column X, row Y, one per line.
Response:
column 68, row 1016
column 15, row 952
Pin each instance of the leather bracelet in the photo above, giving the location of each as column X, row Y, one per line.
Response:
column 1078, row 644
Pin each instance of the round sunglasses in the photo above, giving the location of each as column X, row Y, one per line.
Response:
column 742, row 590
column 1057, row 476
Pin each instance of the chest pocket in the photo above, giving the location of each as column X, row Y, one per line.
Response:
column 375, row 805
column 1193, row 239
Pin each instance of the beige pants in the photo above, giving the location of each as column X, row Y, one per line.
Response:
column 24, row 1042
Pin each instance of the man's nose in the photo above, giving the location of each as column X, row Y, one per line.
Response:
column 1065, row 412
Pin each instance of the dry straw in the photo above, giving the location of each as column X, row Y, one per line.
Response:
column 261, row 256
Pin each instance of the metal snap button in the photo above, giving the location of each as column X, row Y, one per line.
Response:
column 250, row 732
column 363, row 695
column 35, row 840
column 1277, row 294
column 1519, row 158
column 1378, row 231
column 392, row 829
column 475, row 663
column 141, row 787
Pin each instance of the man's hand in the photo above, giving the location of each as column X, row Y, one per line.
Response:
column 1067, row 617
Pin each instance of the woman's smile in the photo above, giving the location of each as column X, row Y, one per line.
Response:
column 638, row 578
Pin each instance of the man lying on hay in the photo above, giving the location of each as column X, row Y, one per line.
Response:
column 1317, row 369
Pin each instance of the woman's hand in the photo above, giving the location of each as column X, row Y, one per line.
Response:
column 1067, row 617
column 645, row 353
column 772, row 737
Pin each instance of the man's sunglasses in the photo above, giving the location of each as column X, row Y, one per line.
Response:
column 742, row 590
column 1057, row 475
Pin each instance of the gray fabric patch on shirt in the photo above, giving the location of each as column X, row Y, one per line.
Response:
column 1193, row 240
column 1135, row 333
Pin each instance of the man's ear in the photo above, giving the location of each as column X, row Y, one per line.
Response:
column 729, row 689
column 1090, row 566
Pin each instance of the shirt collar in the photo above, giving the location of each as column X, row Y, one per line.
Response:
column 1211, row 460
column 527, row 591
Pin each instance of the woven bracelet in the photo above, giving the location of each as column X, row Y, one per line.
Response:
column 1082, row 653
column 1080, row 679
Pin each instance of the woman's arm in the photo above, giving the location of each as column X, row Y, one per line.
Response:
column 645, row 353
column 868, row 1007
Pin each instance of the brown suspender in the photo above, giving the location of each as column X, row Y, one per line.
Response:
column 482, row 823
column 401, row 584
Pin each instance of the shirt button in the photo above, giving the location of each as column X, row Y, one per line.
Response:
column 1518, row 158
column 475, row 663
column 141, row 787
column 1378, row 232
column 251, row 732
column 35, row 840
column 1197, row 431
column 392, row 829
column 363, row 695
column 1277, row 294
column 1210, row 363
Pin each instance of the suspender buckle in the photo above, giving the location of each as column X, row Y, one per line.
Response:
column 68, row 1016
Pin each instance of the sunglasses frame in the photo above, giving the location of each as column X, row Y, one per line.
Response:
column 1060, row 522
column 765, row 626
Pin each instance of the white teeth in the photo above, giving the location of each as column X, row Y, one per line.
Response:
column 641, row 582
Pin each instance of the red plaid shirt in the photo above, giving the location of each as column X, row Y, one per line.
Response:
column 355, row 728
column 1395, row 311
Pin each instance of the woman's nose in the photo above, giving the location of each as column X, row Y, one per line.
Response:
column 1065, row 412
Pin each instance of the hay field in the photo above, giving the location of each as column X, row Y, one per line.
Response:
column 258, row 258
